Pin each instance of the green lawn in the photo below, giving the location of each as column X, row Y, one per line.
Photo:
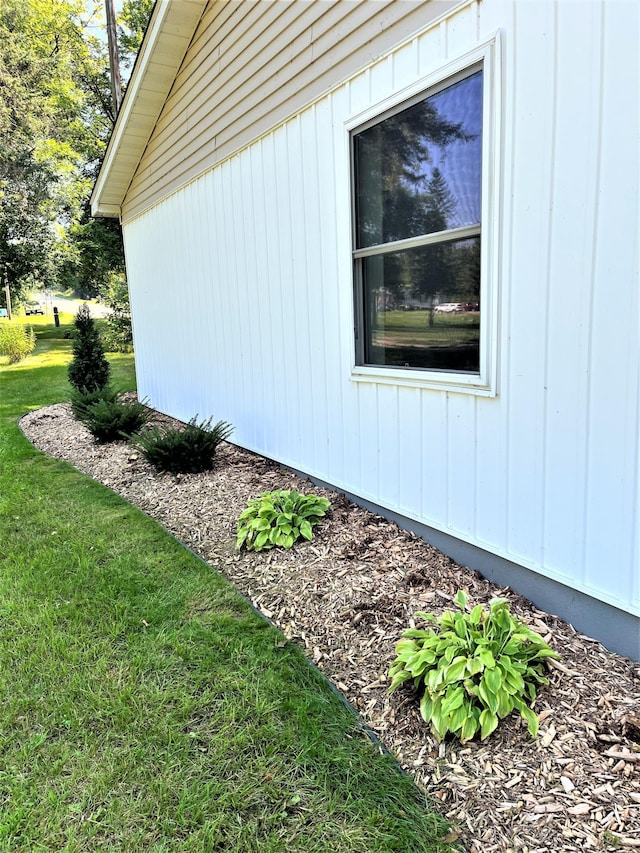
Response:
column 414, row 328
column 143, row 704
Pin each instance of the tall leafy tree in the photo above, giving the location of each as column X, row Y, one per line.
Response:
column 55, row 119
column 132, row 24
column 50, row 134
column 95, row 266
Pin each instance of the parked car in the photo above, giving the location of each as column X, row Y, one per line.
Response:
column 33, row 308
column 449, row 308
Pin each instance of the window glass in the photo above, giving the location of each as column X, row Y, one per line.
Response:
column 422, row 307
column 417, row 175
column 418, row 171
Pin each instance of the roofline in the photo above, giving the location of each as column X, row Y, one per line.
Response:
column 189, row 15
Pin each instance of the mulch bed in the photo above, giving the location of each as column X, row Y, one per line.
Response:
column 346, row 597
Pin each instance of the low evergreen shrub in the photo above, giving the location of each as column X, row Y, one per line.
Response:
column 187, row 450
column 108, row 416
column 16, row 342
column 81, row 401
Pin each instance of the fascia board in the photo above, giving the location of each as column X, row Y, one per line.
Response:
column 143, row 97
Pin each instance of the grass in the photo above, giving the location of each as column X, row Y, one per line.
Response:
column 144, row 706
column 413, row 328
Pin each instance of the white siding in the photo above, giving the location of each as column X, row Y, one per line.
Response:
column 247, row 274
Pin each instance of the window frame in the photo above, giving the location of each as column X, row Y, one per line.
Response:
column 486, row 57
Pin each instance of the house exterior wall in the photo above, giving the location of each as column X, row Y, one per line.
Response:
column 242, row 299
column 251, row 65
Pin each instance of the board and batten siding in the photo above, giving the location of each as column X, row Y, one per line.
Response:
column 241, row 294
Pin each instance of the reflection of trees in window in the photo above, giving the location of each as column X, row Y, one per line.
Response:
column 424, row 275
column 391, row 160
column 417, row 239
column 409, row 331
column 467, row 271
column 439, row 274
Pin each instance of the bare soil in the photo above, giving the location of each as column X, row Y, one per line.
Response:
column 346, row 598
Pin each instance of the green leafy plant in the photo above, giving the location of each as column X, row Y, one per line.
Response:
column 187, row 450
column 118, row 334
column 16, row 342
column 89, row 368
column 279, row 518
column 108, row 416
column 473, row 670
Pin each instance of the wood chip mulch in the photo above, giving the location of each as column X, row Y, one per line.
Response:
column 347, row 596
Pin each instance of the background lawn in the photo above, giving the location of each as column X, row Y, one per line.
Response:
column 143, row 704
column 414, row 328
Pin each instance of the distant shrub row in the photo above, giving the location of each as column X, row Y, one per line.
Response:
column 276, row 519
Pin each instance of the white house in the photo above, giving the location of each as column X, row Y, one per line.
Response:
column 395, row 244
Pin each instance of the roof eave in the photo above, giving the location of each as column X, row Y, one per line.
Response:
column 170, row 31
column 106, row 210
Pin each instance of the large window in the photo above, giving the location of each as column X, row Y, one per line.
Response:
column 417, row 187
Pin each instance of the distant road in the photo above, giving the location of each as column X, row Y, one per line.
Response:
column 70, row 306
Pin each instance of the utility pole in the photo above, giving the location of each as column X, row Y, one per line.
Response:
column 7, row 293
column 114, row 62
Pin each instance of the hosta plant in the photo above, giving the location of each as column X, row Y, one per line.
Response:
column 279, row 519
column 472, row 669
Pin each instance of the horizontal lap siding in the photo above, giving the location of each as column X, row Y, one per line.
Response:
column 252, row 64
column 247, row 273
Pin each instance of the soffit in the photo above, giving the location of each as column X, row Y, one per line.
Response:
column 170, row 31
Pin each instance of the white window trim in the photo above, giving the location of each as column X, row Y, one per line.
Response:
column 484, row 382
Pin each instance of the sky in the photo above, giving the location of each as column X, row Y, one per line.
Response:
column 99, row 28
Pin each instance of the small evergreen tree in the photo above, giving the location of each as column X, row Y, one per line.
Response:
column 89, row 369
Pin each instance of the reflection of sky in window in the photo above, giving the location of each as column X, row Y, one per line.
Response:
column 397, row 194
column 461, row 160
